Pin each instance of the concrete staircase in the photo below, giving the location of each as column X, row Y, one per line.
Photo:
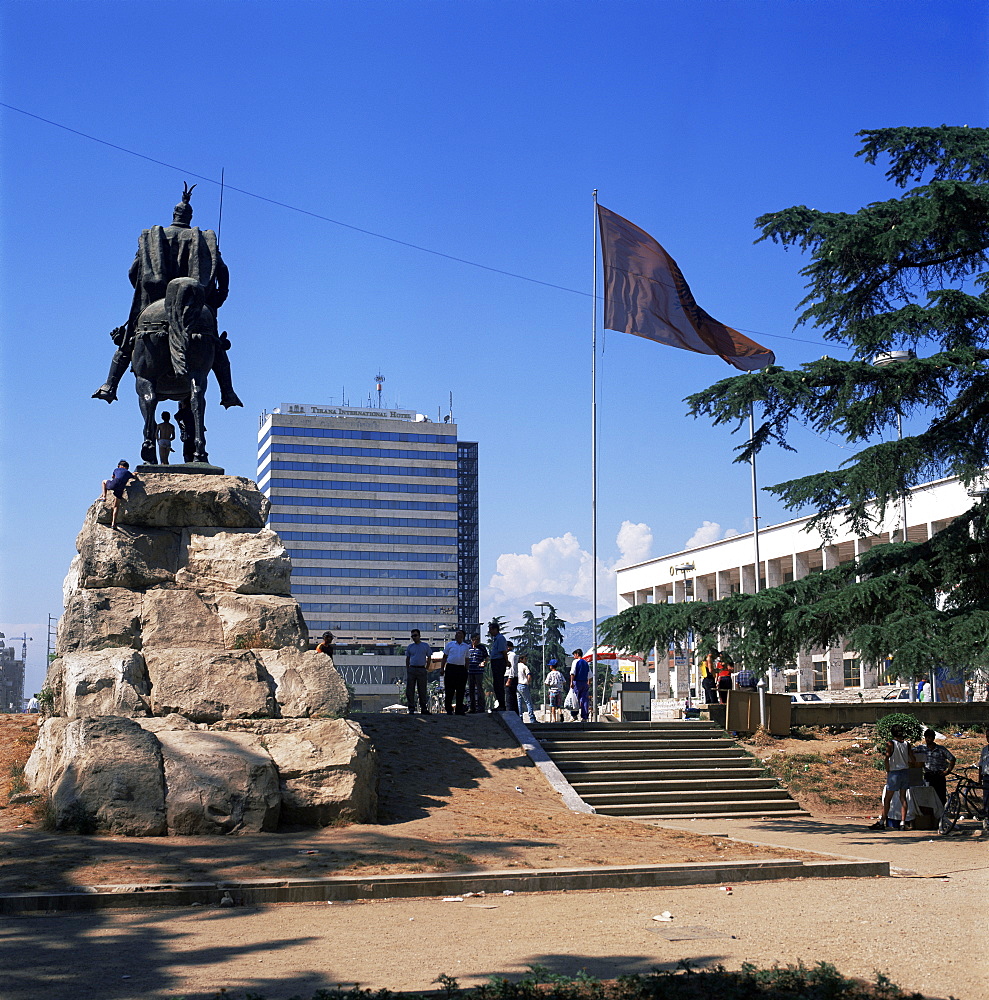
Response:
column 662, row 770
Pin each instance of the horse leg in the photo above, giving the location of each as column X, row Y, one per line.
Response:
column 183, row 417
column 197, row 406
column 148, row 401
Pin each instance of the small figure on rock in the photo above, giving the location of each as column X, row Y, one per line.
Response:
column 166, row 435
column 117, row 485
column 325, row 644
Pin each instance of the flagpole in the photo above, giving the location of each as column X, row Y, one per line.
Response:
column 755, row 500
column 594, row 468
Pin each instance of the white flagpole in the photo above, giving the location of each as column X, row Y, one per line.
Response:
column 594, row 471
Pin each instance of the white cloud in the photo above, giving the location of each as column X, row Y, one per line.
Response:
column 709, row 531
column 558, row 570
column 634, row 542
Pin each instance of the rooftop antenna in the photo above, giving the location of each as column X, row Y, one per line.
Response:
column 380, row 381
column 451, row 407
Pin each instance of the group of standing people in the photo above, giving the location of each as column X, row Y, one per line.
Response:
column 938, row 762
column 463, row 666
column 718, row 677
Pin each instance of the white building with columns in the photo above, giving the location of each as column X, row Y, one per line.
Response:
column 787, row 552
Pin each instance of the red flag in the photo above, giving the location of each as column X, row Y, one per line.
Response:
column 645, row 294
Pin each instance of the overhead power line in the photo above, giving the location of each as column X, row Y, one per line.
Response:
column 337, row 222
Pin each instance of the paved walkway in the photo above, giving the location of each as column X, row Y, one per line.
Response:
column 920, row 851
column 859, row 925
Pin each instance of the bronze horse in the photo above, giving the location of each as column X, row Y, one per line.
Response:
column 170, row 339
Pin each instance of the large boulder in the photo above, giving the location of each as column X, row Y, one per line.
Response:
column 218, row 782
column 206, row 685
column 128, row 557
column 179, row 618
column 100, row 619
column 306, row 684
column 101, row 682
column 244, row 561
column 103, row 775
column 327, row 769
column 259, row 621
column 163, row 500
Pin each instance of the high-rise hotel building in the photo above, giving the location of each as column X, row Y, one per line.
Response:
column 378, row 510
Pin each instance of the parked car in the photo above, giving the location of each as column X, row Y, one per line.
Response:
column 807, row 698
column 897, row 694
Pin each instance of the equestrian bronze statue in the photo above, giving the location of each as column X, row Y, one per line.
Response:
column 170, row 339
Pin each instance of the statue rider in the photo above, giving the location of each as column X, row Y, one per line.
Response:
column 181, row 265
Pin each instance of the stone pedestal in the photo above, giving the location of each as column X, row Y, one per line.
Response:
column 179, row 625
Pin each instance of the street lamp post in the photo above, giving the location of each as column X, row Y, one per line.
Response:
column 543, row 605
column 686, row 568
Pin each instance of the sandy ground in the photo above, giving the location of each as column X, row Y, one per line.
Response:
column 859, row 925
column 456, row 794
column 449, row 801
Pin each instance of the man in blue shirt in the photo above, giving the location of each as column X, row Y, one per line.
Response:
column 116, row 484
column 580, row 673
column 498, row 651
column 417, row 657
column 477, row 656
column 745, row 680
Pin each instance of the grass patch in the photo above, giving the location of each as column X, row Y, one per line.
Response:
column 16, row 780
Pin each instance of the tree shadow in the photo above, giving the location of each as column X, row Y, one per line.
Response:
column 82, row 955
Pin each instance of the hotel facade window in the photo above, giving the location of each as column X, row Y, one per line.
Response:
column 378, row 510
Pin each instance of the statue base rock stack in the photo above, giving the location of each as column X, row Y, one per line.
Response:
column 185, row 699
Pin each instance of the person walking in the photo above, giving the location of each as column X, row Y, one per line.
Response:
column 417, row 656
column 525, row 688
column 940, row 762
column 498, row 651
column 899, row 760
column 454, row 666
column 477, row 656
column 555, row 683
column 580, row 671
column 511, row 678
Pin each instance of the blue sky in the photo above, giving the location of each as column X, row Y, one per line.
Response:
column 479, row 131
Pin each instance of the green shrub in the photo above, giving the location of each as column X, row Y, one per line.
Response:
column 787, row 982
column 914, row 730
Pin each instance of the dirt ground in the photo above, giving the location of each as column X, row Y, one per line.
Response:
column 449, row 801
column 836, row 774
column 456, row 794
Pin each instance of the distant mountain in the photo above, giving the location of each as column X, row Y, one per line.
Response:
column 579, row 635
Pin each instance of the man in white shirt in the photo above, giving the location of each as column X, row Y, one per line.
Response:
column 524, row 679
column 455, row 673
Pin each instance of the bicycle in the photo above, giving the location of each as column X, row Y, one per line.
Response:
column 966, row 799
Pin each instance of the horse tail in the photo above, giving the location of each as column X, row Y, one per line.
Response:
column 184, row 300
